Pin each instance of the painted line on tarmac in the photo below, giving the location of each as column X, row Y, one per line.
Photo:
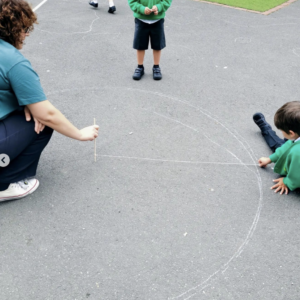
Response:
column 38, row 6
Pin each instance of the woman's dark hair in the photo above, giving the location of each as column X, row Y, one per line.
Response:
column 16, row 16
column 287, row 117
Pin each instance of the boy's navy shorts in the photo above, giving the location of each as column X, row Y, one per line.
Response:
column 144, row 31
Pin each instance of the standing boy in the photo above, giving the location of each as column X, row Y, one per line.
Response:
column 287, row 152
column 149, row 23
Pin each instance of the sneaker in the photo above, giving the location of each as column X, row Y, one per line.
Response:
column 19, row 189
column 112, row 9
column 138, row 73
column 261, row 122
column 93, row 4
column 156, row 74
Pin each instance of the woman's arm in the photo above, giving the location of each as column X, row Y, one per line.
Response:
column 50, row 116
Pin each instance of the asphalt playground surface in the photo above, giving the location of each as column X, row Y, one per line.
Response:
column 175, row 206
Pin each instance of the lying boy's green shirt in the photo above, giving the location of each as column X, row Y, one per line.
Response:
column 287, row 162
column 138, row 7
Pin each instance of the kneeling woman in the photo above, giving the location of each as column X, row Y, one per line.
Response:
column 27, row 119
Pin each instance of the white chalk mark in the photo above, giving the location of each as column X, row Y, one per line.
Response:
column 267, row 25
column 38, row 6
column 295, row 51
column 242, row 40
column 174, row 161
column 176, row 121
column 196, row 130
column 79, row 32
column 224, row 270
column 190, row 296
column 102, row 33
column 250, row 232
column 95, row 146
column 194, row 290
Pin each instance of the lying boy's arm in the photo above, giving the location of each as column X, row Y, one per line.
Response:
column 136, row 6
column 264, row 161
column 164, row 5
column 279, row 151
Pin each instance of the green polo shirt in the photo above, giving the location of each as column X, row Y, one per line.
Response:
column 19, row 83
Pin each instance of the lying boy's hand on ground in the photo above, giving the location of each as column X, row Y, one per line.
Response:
column 148, row 11
column 280, row 186
column 264, row 161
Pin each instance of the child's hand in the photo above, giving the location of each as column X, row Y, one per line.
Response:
column 280, row 186
column 264, row 161
column 148, row 11
column 155, row 10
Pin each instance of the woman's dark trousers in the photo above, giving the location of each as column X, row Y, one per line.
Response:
column 23, row 145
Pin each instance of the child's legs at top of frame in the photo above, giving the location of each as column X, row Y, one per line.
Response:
column 110, row 2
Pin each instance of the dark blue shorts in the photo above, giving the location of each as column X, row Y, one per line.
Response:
column 143, row 32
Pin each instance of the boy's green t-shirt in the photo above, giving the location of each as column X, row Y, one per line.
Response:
column 138, row 8
column 287, row 162
column 19, row 83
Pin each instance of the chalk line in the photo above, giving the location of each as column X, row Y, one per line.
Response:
column 38, row 6
column 174, row 161
column 196, row 130
column 70, row 33
column 295, row 51
column 193, row 291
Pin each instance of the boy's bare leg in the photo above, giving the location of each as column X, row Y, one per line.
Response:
column 140, row 56
column 156, row 56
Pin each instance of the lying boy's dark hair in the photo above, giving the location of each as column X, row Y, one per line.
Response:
column 287, row 117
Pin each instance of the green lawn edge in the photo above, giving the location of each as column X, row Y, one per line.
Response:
column 256, row 5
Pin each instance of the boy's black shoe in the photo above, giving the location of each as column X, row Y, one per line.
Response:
column 138, row 73
column 93, row 4
column 112, row 9
column 261, row 122
column 156, row 73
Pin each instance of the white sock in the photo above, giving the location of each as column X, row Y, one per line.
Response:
column 111, row 3
column 95, row 1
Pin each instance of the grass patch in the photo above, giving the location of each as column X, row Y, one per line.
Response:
column 257, row 5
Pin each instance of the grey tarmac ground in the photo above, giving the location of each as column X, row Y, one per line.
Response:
column 174, row 207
